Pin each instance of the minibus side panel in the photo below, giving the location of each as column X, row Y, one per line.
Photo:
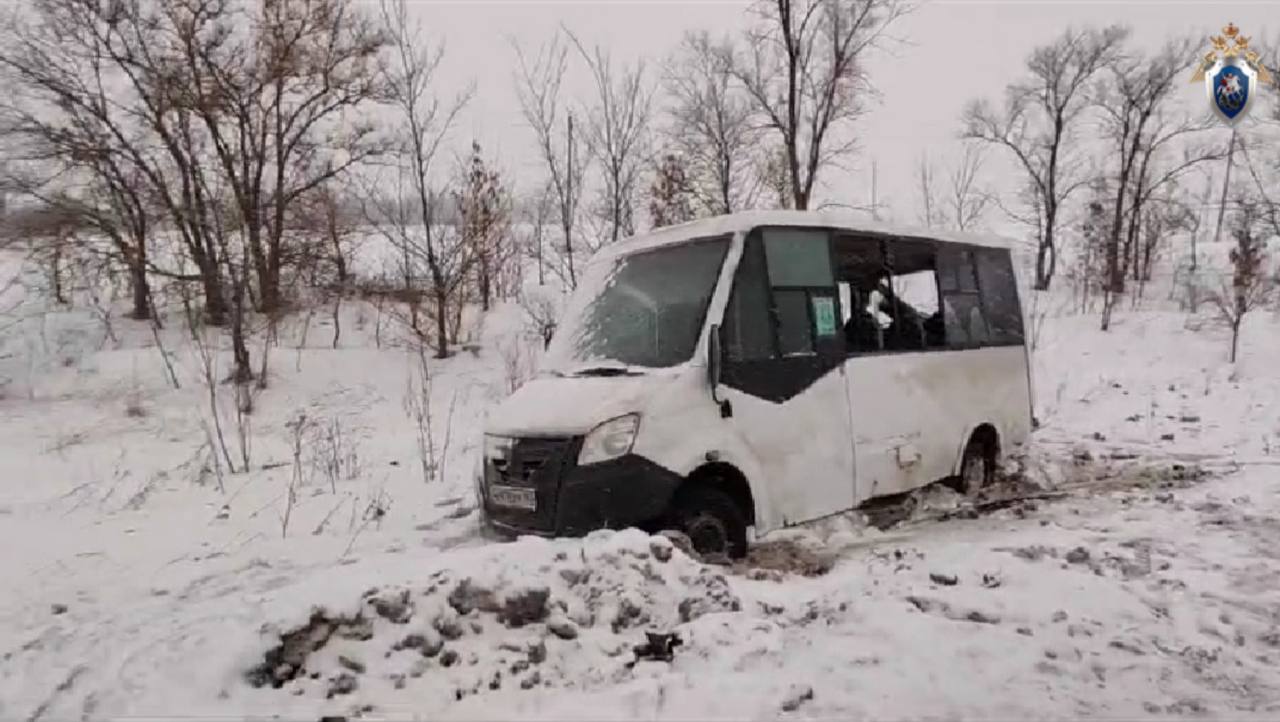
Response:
column 913, row 413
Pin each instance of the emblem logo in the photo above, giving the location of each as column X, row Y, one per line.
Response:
column 1232, row 74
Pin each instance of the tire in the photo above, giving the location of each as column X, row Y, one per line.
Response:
column 977, row 468
column 712, row 520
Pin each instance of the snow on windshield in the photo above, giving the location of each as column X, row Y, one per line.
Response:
column 645, row 309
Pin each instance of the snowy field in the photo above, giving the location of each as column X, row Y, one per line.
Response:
column 139, row 580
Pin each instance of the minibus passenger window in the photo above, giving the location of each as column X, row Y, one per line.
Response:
column 859, row 267
column 962, row 306
column 912, row 296
column 1000, row 296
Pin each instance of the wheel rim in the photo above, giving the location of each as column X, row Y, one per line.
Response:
column 708, row 534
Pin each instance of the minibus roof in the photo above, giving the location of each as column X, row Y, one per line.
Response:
column 746, row 220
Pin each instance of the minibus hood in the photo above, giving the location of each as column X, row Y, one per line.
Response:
column 570, row 405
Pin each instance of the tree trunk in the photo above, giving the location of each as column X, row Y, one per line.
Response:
column 260, row 266
column 215, row 306
column 243, row 372
column 486, row 286
column 442, row 323
column 269, row 287
column 1044, row 265
column 141, row 291
column 1235, row 336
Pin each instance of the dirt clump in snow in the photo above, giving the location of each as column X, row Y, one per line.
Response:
column 786, row 556
column 524, row 607
column 711, row 593
column 467, row 596
column 395, row 607
column 796, row 697
column 658, row 647
column 287, row 660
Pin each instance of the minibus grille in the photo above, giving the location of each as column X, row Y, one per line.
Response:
column 537, row 463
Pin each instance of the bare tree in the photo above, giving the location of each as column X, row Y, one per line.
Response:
column 616, row 132
column 1133, row 101
column 804, row 68
column 536, row 212
column 710, row 123
column 115, row 65
column 1036, row 125
column 277, row 103
column 1250, row 286
column 538, row 87
column 671, row 195
column 963, row 201
column 967, row 201
column 424, row 122
column 484, row 211
column 930, row 213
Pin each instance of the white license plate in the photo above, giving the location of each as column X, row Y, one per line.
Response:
column 514, row 496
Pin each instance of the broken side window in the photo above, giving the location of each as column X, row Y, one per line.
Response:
column 912, row 299
column 965, row 324
column 859, row 268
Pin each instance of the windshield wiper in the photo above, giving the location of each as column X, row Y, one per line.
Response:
column 605, row 371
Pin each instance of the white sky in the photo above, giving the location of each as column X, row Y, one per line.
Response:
column 956, row 50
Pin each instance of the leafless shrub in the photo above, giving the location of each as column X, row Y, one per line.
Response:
column 297, row 429
column 542, row 312
column 1249, row 287
column 334, row 452
column 374, row 512
column 325, row 521
column 212, row 444
column 515, row 362
column 417, row 405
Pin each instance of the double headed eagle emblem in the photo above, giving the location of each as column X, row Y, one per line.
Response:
column 1231, row 45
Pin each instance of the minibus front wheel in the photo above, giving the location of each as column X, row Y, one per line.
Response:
column 712, row 519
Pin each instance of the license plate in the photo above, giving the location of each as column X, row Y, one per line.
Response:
column 513, row 496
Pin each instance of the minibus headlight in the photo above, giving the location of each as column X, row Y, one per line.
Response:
column 609, row 440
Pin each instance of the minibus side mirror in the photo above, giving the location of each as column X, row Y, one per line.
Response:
column 715, row 361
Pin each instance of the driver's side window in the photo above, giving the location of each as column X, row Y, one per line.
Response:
column 783, row 302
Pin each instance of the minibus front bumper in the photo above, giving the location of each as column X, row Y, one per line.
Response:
column 540, row 489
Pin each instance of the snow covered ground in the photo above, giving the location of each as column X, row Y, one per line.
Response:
column 138, row 584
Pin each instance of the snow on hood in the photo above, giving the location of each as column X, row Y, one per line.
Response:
column 570, row 405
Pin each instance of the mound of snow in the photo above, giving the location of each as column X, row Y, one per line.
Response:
column 534, row 613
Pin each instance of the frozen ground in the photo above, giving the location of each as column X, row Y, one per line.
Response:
column 135, row 584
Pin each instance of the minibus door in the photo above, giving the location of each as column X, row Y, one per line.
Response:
column 783, row 372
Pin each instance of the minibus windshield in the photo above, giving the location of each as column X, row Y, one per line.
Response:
column 644, row 309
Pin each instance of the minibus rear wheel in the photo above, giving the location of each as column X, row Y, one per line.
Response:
column 977, row 466
column 711, row 519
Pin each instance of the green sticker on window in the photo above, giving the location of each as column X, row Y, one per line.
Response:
column 824, row 315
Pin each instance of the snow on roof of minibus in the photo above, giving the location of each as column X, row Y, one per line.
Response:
column 746, row 220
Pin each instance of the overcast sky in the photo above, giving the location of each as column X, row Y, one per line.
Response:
column 955, row 50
